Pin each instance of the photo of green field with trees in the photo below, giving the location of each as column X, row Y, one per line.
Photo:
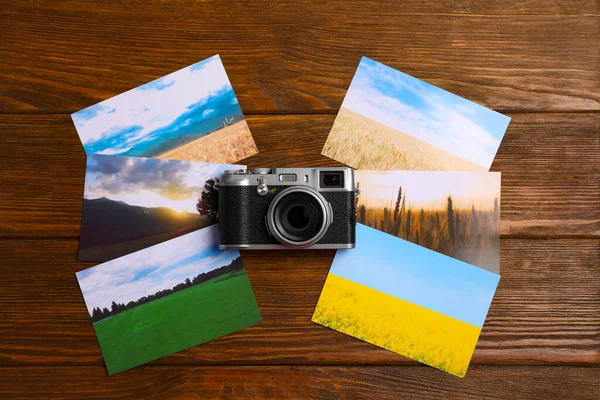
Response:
column 196, row 314
column 463, row 223
column 167, row 298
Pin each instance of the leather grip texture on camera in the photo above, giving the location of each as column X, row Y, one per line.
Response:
column 242, row 216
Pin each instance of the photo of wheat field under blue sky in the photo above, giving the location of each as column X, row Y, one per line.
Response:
column 130, row 203
column 166, row 298
column 391, row 120
column 407, row 299
column 191, row 114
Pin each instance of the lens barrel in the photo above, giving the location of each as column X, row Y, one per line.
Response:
column 299, row 216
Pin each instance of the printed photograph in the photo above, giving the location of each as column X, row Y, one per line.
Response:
column 166, row 298
column 192, row 115
column 413, row 301
column 130, row 203
column 390, row 120
column 453, row 213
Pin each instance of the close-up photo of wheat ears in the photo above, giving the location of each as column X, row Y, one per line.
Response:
column 449, row 224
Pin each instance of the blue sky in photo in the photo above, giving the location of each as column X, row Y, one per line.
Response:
column 155, row 268
column 431, row 114
column 417, row 275
column 148, row 120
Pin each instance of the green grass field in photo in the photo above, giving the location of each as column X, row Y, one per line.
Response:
column 183, row 319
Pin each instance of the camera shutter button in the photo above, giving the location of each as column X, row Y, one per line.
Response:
column 262, row 188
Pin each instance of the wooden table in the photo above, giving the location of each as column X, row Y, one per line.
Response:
column 290, row 65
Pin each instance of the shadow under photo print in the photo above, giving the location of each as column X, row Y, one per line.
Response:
column 130, row 203
column 166, row 298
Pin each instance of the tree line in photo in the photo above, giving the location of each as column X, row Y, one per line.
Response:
column 99, row 314
column 466, row 234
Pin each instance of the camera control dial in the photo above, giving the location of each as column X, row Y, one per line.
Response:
column 262, row 188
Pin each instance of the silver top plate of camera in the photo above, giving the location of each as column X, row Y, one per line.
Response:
column 311, row 177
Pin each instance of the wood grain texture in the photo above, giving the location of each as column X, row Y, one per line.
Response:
column 550, row 163
column 290, row 64
column 545, row 310
column 59, row 57
column 288, row 382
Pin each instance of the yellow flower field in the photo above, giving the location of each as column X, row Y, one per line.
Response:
column 396, row 325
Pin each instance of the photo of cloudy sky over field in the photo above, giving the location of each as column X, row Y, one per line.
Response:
column 391, row 120
column 192, row 114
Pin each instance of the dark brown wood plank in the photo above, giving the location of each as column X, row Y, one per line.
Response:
column 287, row 382
column 550, row 166
column 545, row 310
column 131, row 10
column 299, row 58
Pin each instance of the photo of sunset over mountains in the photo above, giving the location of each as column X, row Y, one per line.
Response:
column 131, row 203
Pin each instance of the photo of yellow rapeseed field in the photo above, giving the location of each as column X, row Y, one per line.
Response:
column 391, row 120
column 433, row 338
column 407, row 299
column 454, row 213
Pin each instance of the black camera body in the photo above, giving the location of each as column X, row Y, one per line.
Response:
column 275, row 208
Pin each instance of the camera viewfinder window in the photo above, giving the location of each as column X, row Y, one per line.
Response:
column 331, row 179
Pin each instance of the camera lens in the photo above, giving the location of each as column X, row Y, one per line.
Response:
column 298, row 216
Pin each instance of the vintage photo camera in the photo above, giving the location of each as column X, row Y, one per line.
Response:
column 274, row 208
